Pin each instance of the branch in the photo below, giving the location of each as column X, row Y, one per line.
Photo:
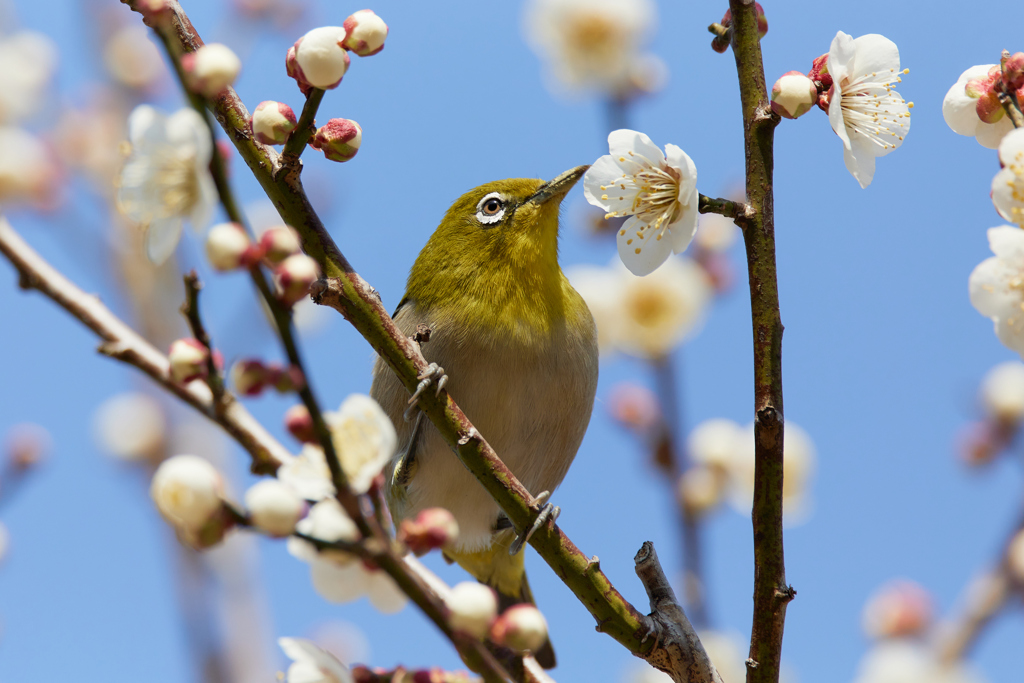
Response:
column 124, row 344
column 740, row 212
column 304, row 129
column 771, row 593
column 190, row 309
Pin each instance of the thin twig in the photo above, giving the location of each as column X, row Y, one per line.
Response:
column 190, row 309
column 126, row 345
column 738, row 211
column 304, row 128
column 771, row 592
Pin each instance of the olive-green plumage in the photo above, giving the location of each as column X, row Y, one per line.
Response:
column 520, row 350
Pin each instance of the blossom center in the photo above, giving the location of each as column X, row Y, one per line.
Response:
column 178, row 182
column 873, row 110
column 1016, row 185
column 592, row 35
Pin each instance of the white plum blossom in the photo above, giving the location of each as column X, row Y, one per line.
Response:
column 364, row 438
column 996, row 285
column 311, row 664
column 1002, row 391
column 166, row 178
column 798, row 462
column 308, row 474
column 130, row 426
column 317, row 59
column 648, row 316
column 274, row 507
column 867, row 114
column 472, row 607
column 904, row 661
column 28, row 169
column 28, row 61
column 132, row 58
column 590, row 44
column 960, row 109
column 187, row 491
column 658, row 191
column 1008, row 184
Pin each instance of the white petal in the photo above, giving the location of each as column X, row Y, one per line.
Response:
column 1007, row 242
column 677, row 158
column 860, row 163
column 606, row 172
column 1006, row 192
column 312, row 663
column 641, row 255
column 302, row 550
column 682, row 231
column 365, row 440
column 874, row 53
column 1011, row 149
column 623, row 141
column 146, row 125
column 202, row 212
column 162, row 238
column 991, row 134
column 840, row 56
column 835, row 115
column 384, row 593
column 958, row 109
column 339, row 584
column 186, row 127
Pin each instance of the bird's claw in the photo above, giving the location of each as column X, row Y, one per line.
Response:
column 548, row 512
column 434, row 374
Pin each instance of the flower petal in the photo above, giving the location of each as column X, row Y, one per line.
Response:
column 874, row 53
column 990, row 135
column 629, row 144
column 835, row 114
column 1007, row 242
column 860, row 163
column 606, row 173
column 641, row 251
column 683, row 230
column 841, row 55
column 384, row 593
column 959, row 110
column 146, row 126
column 162, row 238
column 339, row 584
column 186, row 127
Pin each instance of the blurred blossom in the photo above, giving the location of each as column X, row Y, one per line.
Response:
column 647, row 316
column 591, row 44
column 432, row 529
column 274, row 507
column 28, row 61
column 5, row 542
column 130, row 426
column 308, row 474
column 27, row 444
column 310, row 318
column 798, row 461
column 899, row 608
column 1008, row 185
column 979, row 442
column 364, row 438
column 211, row 69
column 897, row 661
column 166, row 178
column 716, row 443
column 727, row 652
column 343, row 639
column 310, row 664
column 88, row 139
column 995, row 288
column 187, row 491
column 133, row 59
column 521, row 627
column 634, row 407
column 716, row 233
column 700, row 489
column 1002, row 392
column 472, row 608
column 960, row 107
column 1015, row 556
column 29, row 172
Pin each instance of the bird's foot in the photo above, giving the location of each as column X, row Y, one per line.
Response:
column 548, row 512
column 434, row 374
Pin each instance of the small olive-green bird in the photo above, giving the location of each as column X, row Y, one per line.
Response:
column 519, row 349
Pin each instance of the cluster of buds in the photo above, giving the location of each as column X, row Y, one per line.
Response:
column 365, row 674
column 432, row 529
column 320, row 58
column 211, row 69
column 272, row 122
column 720, row 43
column 228, row 247
column 1002, row 399
column 473, row 609
column 188, row 492
column 252, row 377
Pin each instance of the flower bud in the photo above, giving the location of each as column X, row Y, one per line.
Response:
column 988, row 106
column 155, row 12
column 27, row 444
column 1015, row 556
column 823, row 80
column 521, row 627
column 188, row 360
column 272, row 122
column 364, row 33
column 635, row 407
column 433, row 528
column 279, row 243
column 1013, row 70
column 251, row 377
column 1002, row 392
column 211, row 69
column 299, row 423
column 901, row 608
column 793, row 95
column 762, row 22
column 339, row 140
column 274, row 508
column 294, row 276
column 700, row 489
column 472, row 608
column 285, row 380
column 227, row 246
column 130, row 426
column 187, row 491
column 317, row 60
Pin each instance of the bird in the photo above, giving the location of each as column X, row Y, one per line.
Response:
column 516, row 347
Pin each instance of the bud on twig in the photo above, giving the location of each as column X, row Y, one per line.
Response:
column 272, row 122
column 317, row 59
column 365, row 33
column 433, row 528
column 274, row 508
column 294, row 276
column 187, row 491
column 299, row 424
column 228, row 247
column 251, row 377
column 188, row 359
column 339, row 140
column 793, row 95
column 211, row 69
column 472, row 608
column 521, row 627
column 279, row 243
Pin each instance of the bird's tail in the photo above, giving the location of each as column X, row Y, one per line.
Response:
column 506, row 574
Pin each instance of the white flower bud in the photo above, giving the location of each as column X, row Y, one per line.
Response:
column 211, row 69
column 700, row 489
column 473, row 608
column 279, row 243
column 188, row 359
column 433, row 528
column 793, row 95
column 130, row 426
column 317, row 59
column 521, row 627
column 250, row 377
column 294, row 277
column 274, row 507
column 227, row 245
column 273, row 122
column 365, row 33
column 187, row 490
column 716, row 443
column 339, row 139
column 1002, row 391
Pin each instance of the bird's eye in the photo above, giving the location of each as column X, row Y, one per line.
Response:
column 490, row 209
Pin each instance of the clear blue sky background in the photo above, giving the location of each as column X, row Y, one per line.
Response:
column 882, row 349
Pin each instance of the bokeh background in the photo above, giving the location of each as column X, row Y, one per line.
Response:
column 882, row 352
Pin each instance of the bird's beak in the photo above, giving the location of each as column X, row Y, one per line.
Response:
column 557, row 188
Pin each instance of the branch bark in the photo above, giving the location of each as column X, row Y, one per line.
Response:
column 771, row 593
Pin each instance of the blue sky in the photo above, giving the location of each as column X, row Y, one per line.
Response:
column 882, row 349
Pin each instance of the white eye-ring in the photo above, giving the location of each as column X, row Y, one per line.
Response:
column 491, row 208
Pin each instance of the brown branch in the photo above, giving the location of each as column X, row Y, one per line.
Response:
column 740, row 212
column 304, row 129
column 190, row 309
column 771, row 592
column 124, row 344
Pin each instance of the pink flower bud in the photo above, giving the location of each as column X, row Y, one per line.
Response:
column 762, row 21
column 793, row 95
column 899, row 609
column 294, row 276
column 989, row 108
column 823, row 80
column 521, row 627
column 155, row 12
column 188, row 360
column 635, row 407
column 317, row 60
column 27, row 444
column 339, row 140
column 227, row 245
column 1013, row 70
column 251, row 377
column 299, row 423
column 279, row 243
column 286, row 380
column 365, row 33
column 211, row 69
column 272, row 122
column 433, row 528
